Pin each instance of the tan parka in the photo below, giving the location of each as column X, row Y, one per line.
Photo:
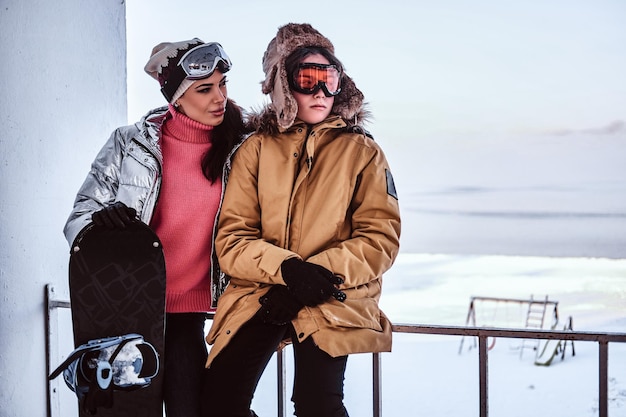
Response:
column 323, row 193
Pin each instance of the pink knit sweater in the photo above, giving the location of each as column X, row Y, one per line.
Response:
column 185, row 214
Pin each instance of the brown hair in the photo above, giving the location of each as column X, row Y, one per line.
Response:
column 226, row 135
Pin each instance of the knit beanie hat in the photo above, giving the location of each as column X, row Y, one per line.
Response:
column 289, row 38
column 163, row 60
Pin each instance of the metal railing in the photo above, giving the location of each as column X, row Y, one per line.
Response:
column 603, row 340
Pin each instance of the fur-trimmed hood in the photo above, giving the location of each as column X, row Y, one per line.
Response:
column 282, row 111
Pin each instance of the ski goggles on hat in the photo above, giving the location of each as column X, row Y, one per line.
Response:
column 310, row 77
column 198, row 63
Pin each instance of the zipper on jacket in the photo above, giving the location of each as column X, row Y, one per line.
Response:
column 309, row 160
column 309, row 163
column 156, row 190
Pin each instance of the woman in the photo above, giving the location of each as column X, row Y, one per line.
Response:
column 166, row 170
column 310, row 222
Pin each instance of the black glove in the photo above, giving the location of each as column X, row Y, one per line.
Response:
column 309, row 283
column 116, row 216
column 278, row 306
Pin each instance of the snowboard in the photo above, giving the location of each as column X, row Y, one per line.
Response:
column 117, row 294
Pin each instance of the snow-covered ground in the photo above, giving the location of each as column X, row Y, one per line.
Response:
column 425, row 375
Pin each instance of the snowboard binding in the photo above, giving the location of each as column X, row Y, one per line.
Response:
column 97, row 368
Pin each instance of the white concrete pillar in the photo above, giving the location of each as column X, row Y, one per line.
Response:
column 62, row 91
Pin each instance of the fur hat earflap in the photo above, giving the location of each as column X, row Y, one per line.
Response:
column 289, row 38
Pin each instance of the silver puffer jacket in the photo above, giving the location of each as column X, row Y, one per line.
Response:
column 128, row 169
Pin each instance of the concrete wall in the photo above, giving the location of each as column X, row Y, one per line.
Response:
column 63, row 90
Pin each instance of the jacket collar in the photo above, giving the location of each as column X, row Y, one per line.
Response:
column 265, row 120
column 331, row 122
column 149, row 126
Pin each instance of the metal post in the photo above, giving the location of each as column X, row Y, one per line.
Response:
column 483, row 375
column 281, row 376
column 377, row 385
column 603, row 378
column 52, row 348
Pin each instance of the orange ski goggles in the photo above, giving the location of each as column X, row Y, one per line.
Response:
column 309, row 78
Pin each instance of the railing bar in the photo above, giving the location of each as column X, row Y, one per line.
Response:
column 603, row 400
column 58, row 304
column 509, row 333
column 483, row 376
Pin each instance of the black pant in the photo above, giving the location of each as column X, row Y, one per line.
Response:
column 235, row 372
column 185, row 357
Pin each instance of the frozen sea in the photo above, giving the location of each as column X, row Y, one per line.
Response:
column 539, row 195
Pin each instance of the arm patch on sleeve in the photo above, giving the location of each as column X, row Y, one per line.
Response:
column 391, row 186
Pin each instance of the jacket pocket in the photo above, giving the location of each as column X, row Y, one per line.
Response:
column 362, row 313
column 236, row 306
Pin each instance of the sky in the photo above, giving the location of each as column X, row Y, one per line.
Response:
column 425, row 67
